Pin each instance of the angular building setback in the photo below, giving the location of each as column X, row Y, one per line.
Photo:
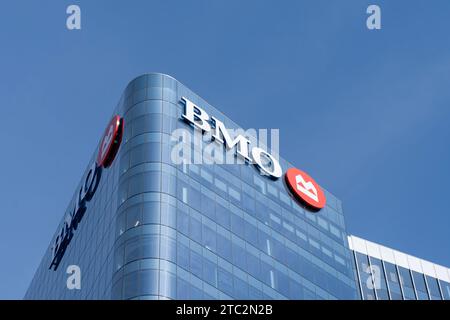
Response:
column 387, row 274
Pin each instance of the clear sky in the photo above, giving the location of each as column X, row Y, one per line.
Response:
column 366, row 113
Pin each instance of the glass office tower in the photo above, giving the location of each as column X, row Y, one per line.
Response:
column 155, row 229
column 387, row 274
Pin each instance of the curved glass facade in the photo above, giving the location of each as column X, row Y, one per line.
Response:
column 159, row 230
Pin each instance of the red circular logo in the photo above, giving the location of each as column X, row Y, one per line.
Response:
column 305, row 188
column 109, row 145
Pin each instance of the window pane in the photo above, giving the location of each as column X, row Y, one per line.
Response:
column 365, row 276
column 223, row 247
column 133, row 216
column 151, row 212
column 379, row 279
column 209, row 238
column 421, row 289
column 196, row 264
column 182, row 289
column 133, row 250
column 168, row 215
column 240, row 289
column 195, row 229
column 406, row 282
column 168, row 249
column 130, row 285
column 393, row 281
column 167, row 284
column 445, row 286
column 433, row 288
column 148, row 280
column 209, row 272
column 150, row 246
column 225, row 280
column 182, row 256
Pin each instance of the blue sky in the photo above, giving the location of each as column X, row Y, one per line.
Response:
column 366, row 113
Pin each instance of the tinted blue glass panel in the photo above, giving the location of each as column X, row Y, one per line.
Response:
column 378, row 275
column 433, row 288
column 393, row 281
column 421, row 288
column 365, row 275
column 406, row 282
column 158, row 229
column 445, row 286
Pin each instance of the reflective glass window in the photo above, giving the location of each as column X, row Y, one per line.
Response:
column 148, row 282
column 406, row 282
column 379, row 278
column 130, row 285
column 167, row 284
column 366, row 281
column 445, row 286
column 225, row 281
column 433, row 288
column 421, row 288
column 393, row 281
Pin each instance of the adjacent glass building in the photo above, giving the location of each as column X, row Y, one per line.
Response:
column 387, row 274
column 159, row 230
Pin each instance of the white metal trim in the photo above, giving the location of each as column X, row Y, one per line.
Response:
column 386, row 254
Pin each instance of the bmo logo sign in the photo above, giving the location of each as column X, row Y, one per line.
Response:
column 109, row 145
column 305, row 189
column 267, row 164
column 301, row 185
column 110, row 142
